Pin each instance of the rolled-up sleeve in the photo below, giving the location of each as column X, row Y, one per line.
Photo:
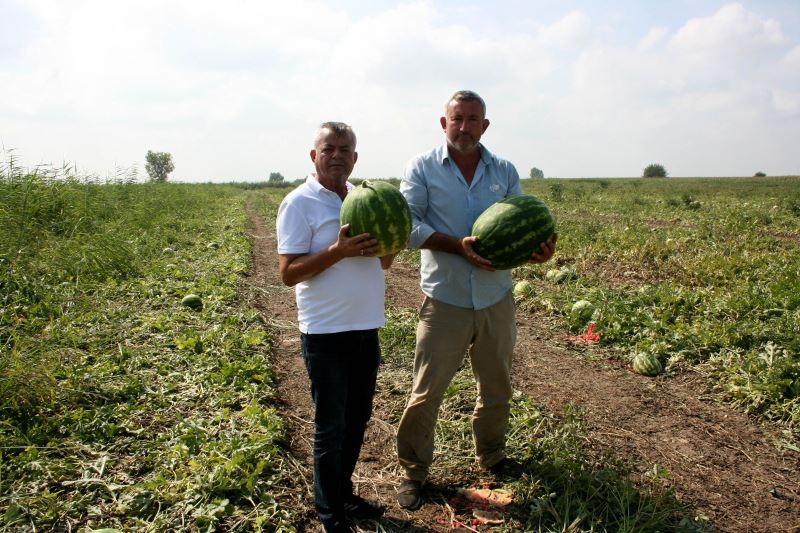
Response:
column 415, row 191
column 442, row 201
column 514, row 186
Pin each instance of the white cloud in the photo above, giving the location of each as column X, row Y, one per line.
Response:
column 694, row 97
column 731, row 29
column 653, row 38
column 786, row 102
column 787, row 70
column 235, row 90
column 572, row 31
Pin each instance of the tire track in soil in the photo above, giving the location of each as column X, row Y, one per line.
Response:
column 721, row 462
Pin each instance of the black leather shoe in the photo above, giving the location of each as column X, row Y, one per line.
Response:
column 358, row 507
column 338, row 526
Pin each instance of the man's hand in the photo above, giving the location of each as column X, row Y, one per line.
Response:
column 473, row 258
column 386, row 261
column 295, row 268
column 362, row 244
column 548, row 248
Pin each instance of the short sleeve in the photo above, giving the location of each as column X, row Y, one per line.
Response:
column 294, row 230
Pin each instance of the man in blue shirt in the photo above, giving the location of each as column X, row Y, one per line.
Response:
column 468, row 304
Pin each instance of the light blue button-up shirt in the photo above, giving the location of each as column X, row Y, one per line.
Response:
column 441, row 200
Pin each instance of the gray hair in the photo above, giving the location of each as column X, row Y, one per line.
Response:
column 466, row 96
column 337, row 128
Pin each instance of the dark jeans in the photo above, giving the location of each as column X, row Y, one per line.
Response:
column 342, row 368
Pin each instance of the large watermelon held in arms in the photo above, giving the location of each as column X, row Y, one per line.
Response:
column 378, row 208
column 510, row 230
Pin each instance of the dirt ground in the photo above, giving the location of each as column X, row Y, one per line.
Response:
column 723, row 464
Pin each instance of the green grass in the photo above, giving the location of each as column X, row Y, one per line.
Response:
column 568, row 488
column 120, row 407
column 700, row 272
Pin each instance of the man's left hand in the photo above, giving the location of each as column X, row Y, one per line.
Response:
column 547, row 249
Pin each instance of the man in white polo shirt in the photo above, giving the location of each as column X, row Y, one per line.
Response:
column 340, row 290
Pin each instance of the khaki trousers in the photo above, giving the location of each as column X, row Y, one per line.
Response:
column 444, row 335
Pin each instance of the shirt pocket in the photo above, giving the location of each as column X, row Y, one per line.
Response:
column 491, row 192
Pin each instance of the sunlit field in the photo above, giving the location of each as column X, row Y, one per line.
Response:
column 123, row 408
column 700, row 272
column 120, row 406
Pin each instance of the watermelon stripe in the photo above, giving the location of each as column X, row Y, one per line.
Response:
column 511, row 229
column 647, row 364
column 378, row 208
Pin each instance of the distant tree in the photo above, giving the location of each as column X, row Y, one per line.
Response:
column 158, row 165
column 275, row 178
column 536, row 173
column 759, row 175
column 654, row 170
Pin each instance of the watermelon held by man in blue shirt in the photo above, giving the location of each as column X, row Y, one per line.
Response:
column 511, row 229
column 378, row 208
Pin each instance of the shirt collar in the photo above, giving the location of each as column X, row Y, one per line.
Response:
column 316, row 186
column 486, row 156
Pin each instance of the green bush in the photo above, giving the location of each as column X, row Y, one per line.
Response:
column 654, row 170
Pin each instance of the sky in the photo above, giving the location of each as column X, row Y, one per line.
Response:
column 235, row 90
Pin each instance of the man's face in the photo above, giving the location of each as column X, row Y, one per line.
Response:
column 334, row 156
column 463, row 125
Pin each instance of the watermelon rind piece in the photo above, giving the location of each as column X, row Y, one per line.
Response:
column 511, row 229
column 380, row 209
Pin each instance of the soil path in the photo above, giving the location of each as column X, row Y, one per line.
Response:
column 723, row 464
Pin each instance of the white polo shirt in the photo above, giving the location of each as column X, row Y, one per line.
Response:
column 345, row 297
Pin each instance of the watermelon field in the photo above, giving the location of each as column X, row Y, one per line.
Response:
column 124, row 410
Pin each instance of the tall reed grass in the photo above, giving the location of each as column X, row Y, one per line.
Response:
column 62, row 236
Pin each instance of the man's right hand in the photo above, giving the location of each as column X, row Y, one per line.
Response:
column 463, row 247
column 362, row 244
column 295, row 268
column 472, row 257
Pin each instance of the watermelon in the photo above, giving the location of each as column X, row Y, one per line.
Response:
column 510, row 230
column 192, row 301
column 378, row 208
column 582, row 311
column 561, row 275
column 523, row 289
column 647, row 364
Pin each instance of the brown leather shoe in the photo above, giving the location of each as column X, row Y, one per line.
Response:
column 409, row 494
